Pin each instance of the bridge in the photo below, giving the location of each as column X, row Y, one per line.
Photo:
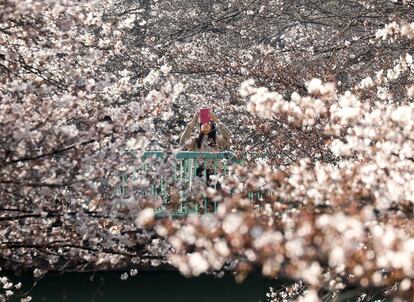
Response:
column 173, row 180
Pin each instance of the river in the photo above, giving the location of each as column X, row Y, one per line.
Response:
column 145, row 286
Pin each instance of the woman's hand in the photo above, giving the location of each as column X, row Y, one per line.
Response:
column 213, row 117
column 195, row 117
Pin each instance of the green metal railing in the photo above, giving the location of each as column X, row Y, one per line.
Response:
column 185, row 166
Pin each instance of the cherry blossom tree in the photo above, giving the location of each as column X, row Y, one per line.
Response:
column 330, row 223
column 280, row 44
column 64, row 132
column 323, row 88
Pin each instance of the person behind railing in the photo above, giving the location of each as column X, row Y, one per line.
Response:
column 206, row 140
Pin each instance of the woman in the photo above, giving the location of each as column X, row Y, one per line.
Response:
column 207, row 139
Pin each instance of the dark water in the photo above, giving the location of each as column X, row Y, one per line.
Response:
column 145, row 287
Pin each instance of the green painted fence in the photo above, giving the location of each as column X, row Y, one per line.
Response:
column 185, row 166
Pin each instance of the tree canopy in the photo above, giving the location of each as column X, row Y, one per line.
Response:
column 322, row 89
